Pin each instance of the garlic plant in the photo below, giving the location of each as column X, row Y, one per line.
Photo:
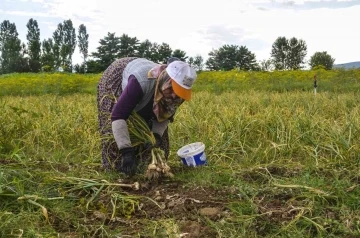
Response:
column 140, row 134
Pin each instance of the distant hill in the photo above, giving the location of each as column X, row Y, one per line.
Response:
column 348, row 65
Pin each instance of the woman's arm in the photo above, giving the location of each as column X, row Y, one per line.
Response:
column 129, row 98
column 126, row 103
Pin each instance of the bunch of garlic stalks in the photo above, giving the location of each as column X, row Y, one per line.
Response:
column 140, row 134
column 158, row 166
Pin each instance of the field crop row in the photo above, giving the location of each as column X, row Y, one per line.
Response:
column 279, row 164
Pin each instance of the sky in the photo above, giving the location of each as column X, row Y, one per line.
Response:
column 200, row 26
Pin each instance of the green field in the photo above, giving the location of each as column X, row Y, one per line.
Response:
column 282, row 161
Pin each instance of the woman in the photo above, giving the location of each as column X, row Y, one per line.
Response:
column 152, row 90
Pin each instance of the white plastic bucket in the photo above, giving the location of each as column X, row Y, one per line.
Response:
column 193, row 154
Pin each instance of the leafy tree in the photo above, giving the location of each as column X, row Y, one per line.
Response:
column 321, row 58
column 297, row 53
column 155, row 52
column 93, row 66
column 229, row 57
column 58, row 39
column 128, row 46
column 48, row 56
column 23, row 64
column 160, row 53
column 288, row 54
column 34, row 45
column 212, row 63
column 198, row 63
column 279, row 51
column 64, row 45
column 144, row 50
column 191, row 61
column 163, row 53
column 266, row 65
column 80, row 68
column 179, row 54
column 68, row 45
column 107, row 51
column 245, row 59
column 10, row 47
column 83, row 41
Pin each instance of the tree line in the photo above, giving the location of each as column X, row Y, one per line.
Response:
column 55, row 53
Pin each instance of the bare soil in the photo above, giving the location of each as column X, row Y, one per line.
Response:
column 187, row 206
column 188, row 209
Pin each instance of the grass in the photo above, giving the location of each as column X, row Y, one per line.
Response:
column 217, row 82
column 279, row 165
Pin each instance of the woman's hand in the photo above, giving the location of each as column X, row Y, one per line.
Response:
column 128, row 161
column 158, row 139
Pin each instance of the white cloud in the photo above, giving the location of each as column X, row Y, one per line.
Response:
column 199, row 26
column 28, row 13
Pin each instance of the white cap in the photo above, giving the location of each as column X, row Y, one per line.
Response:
column 183, row 78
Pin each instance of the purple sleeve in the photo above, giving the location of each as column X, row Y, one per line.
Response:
column 128, row 100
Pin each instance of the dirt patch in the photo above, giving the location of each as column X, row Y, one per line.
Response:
column 278, row 209
column 5, row 161
column 164, row 209
column 188, row 207
column 175, row 200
